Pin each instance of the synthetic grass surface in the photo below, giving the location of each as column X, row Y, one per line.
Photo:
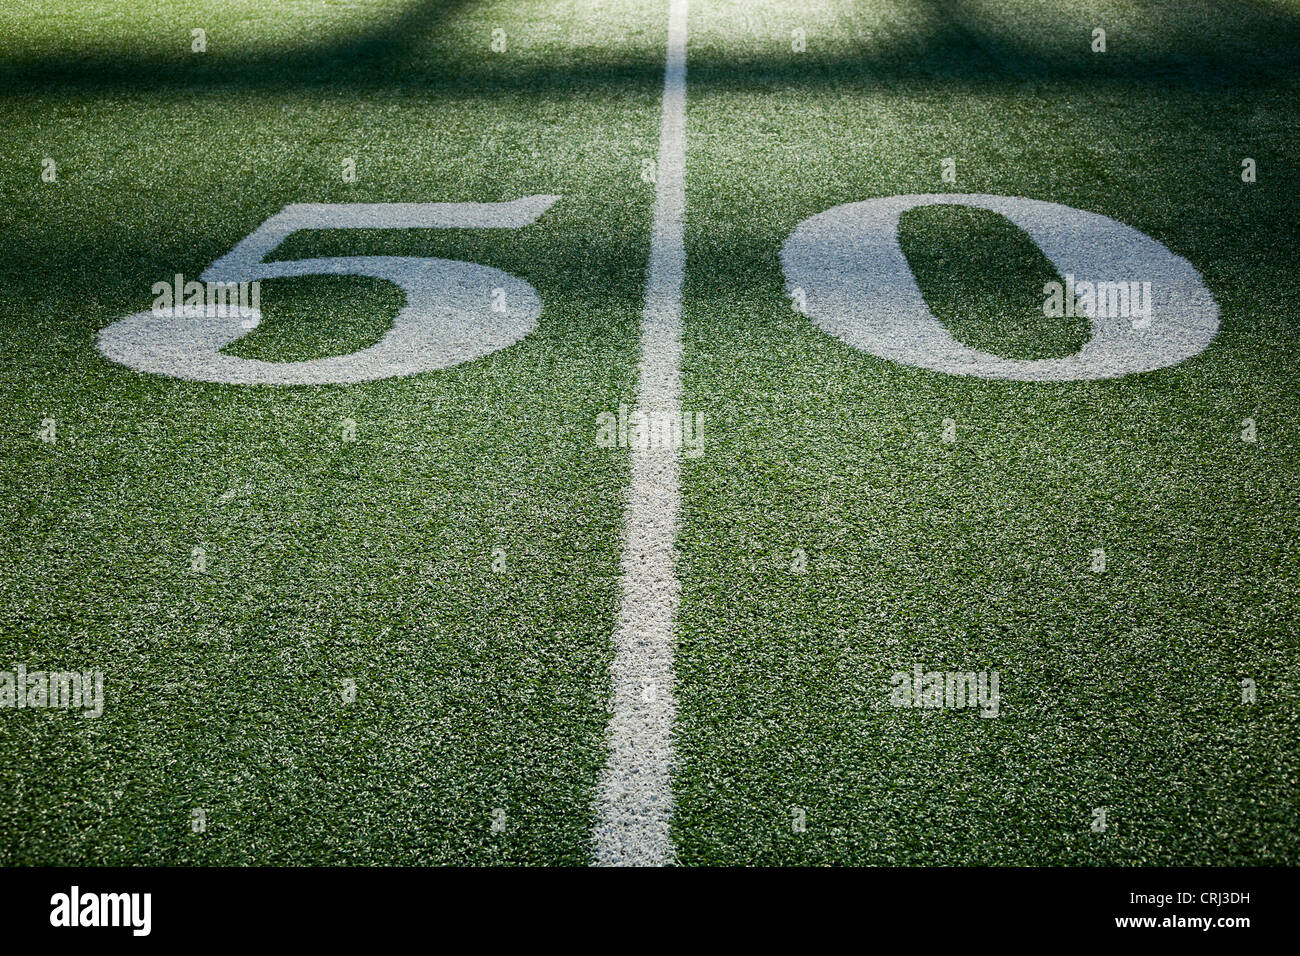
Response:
column 1120, row 690
column 328, row 561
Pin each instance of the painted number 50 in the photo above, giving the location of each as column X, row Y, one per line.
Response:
column 846, row 263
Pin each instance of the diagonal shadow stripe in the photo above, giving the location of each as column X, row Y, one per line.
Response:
column 956, row 46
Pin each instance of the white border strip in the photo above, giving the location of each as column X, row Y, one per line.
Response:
column 634, row 798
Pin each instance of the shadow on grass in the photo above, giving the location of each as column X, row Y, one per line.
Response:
column 948, row 50
column 1253, row 43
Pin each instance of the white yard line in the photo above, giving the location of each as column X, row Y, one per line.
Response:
column 634, row 798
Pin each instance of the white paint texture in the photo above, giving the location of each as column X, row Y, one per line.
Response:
column 634, row 796
column 448, row 318
column 859, row 287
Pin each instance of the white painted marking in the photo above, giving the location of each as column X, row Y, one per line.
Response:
column 858, row 286
column 634, row 797
column 454, row 311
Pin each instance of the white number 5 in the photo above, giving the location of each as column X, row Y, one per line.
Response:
column 454, row 311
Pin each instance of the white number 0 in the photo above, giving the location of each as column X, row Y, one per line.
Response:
column 857, row 285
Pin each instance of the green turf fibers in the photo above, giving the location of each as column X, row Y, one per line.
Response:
column 1120, row 691
column 327, row 561
column 830, row 536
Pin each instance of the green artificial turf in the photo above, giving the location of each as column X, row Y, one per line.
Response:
column 995, row 310
column 327, row 560
column 830, row 536
column 1120, row 690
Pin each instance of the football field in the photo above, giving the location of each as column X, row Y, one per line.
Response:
column 689, row 432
